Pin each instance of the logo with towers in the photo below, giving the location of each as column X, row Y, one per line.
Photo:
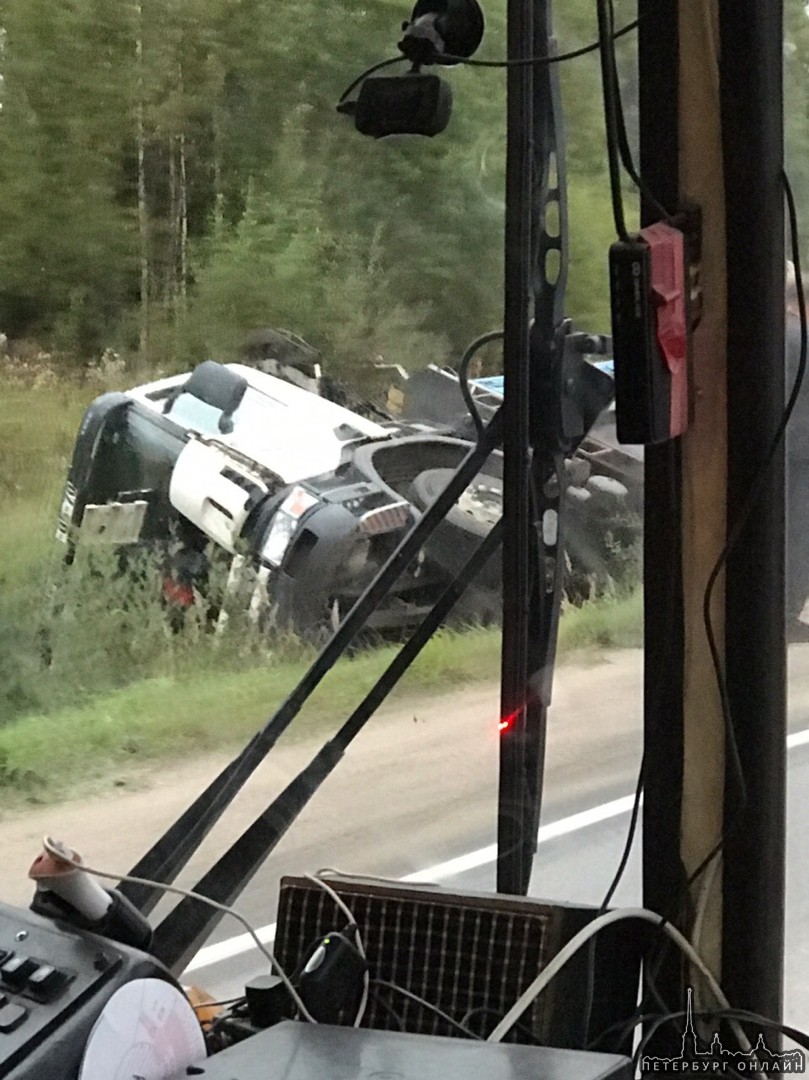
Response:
column 698, row 1057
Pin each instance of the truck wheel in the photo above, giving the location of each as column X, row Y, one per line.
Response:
column 466, row 524
column 477, row 509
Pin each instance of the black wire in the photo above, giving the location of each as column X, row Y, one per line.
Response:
column 732, row 540
column 740, row 1015
column 531, row 61
column 655, row 1024
column 214, row 1004
column 735, row 532
column 624, row 150
column 744, row 1016
column 626, row 1027
column 447, row 58
column 370, row 71
column 463, row 376
column 427, row 1005
column 518, row 1026
column 652, row 1027
column 387, row 1007
column 217, row 1021
column 630, row 839
column 623, row 1028
column 608, row 84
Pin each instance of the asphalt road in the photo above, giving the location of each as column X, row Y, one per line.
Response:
column 579, row 867
column 420, row 789
column 416, row 795
column 417, row 798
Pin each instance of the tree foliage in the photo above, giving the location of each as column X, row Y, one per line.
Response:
column 173, row 174
column 796, row 97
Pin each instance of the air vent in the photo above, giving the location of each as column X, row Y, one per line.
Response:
column 472, row 955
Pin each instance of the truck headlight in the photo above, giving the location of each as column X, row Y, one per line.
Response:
column 284, row 524
column 278, row 538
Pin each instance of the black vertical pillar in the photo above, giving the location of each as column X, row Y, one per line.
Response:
column 664, row 630
column 663, row 876
column 514, row 855
column 752, row 895
column 536, row 269
column 752, row 107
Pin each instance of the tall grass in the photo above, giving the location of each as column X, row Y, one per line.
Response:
column 39, row 417
column 198, row 707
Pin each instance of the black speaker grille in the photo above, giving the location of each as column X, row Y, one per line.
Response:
column 470, row 956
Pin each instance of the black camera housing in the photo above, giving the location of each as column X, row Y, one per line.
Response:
column 411, row 104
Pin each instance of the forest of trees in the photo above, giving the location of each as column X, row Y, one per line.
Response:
column 173, row 174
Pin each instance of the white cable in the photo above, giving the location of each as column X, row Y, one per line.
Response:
column 329, row 871
column 59, row 852
column 366, row 980
column 699, row 918
column 583, row 936
column 702, row 901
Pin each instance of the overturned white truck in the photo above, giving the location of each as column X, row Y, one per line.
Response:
column 296, row 501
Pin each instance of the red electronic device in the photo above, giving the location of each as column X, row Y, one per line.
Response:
column 667, row 247
column 650, row 335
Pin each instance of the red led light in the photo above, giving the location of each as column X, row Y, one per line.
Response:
column 508, row 721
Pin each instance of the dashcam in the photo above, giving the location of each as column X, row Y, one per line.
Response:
column 412, row 104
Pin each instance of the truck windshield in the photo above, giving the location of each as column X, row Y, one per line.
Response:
column 254, row 413
column 189, row 412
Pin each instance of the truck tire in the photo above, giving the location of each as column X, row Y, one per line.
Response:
column 466, row 524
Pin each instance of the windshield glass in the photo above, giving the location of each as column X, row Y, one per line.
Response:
column 178, row 185
column 261, row 418
column 190, row 412
column 214, row 192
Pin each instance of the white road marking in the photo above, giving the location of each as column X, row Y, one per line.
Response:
column 226, row 950
column 563, row 827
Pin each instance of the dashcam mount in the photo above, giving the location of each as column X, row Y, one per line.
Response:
column 452, row 28
column 438, row 31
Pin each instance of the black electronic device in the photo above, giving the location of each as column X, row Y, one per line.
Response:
column 299, row 1051
column 331, row 982
column 650, row 335
column 438, row 32
column 54, row 982
column 268, row 1000
column 412, row 104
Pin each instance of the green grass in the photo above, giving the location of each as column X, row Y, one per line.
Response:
column 172, row 718
column 38, row 425
column 610, row 623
